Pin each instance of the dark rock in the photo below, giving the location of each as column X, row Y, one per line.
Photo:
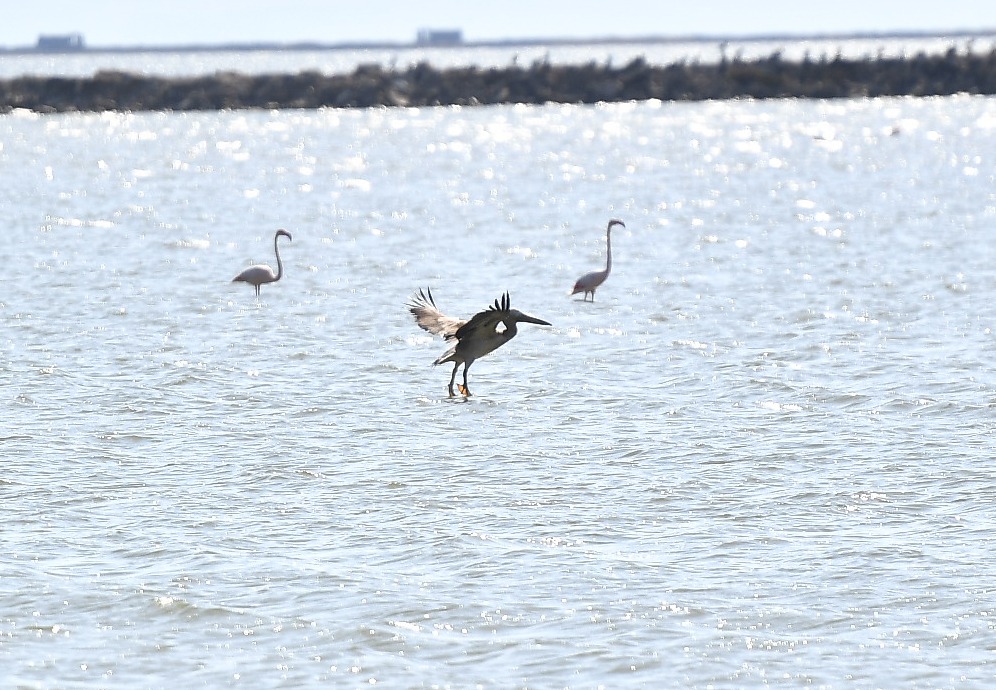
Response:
column 371, row 85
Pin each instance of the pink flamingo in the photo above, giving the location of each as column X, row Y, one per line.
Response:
column 261, row 273
column 589, row 282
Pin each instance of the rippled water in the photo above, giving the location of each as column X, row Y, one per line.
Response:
column 762, row 456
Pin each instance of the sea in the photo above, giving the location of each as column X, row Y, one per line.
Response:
column 763, row 456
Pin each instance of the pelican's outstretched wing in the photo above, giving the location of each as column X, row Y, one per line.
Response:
column 485, row 321
column 423, row 308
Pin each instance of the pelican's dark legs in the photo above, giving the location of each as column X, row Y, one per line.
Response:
column 464, row 389
column 456, row 365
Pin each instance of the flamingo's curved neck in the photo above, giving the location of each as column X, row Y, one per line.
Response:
column 608, row 250
column 280, row 265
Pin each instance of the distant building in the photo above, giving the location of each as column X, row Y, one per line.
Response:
column 435, row 37
column 66, row 43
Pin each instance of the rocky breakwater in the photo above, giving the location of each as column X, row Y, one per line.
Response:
column 542, row 82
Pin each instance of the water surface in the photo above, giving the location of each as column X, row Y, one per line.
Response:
column 762, row 456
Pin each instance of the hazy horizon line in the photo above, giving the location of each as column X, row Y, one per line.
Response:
column 504, row 42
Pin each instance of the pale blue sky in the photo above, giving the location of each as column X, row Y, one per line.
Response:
column 181, row 22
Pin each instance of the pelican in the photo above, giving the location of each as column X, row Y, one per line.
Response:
column 485, row 331
column 590, row 281
column 261, row 273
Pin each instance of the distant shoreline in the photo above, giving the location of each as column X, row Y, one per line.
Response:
column 501, row 43
column 372, row 85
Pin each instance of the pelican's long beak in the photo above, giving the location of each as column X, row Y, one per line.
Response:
column 532, row 319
